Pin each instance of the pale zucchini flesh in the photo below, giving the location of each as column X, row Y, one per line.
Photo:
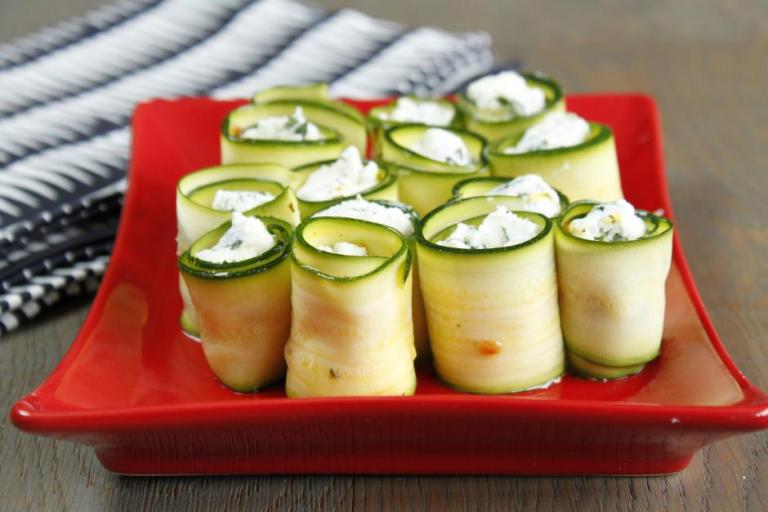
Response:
column 591, row 370
column 589, row 170
column 243, row 309
column 351, row 332
column 612, row 294
column 492, row 314
column 420, row 335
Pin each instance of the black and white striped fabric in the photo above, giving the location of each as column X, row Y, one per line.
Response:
column 67, row 93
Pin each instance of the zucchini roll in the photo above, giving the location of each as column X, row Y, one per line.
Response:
column 575, row 156
column 506, row 104
column 290, row 133
column 536, row 194
column 612, row 264
column 411, row 110
column 320, row 184
column 206, row 198
column 239, row 279
column 348, row 121
column 490, row 293
column 430, row 161
column 351, row 332
column 404, row 219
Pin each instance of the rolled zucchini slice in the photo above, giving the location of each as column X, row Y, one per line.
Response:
column 385, row 187
column 349, row 121
column 384, row 117
column 589, row 170
column 504, row 122
column 424, row 183
column 351, row 332
column 484, row 186
column 195, row 216
column 243, row 307
column 492, row 314
column 420, row 336
column 337, row 131
column 612, row 295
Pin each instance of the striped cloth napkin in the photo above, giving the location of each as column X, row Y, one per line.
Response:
column 67, row 93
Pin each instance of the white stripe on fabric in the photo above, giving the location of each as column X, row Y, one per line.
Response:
column 55, row 37
column 150, row 36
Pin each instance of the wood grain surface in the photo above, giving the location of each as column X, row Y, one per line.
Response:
column 707, row 65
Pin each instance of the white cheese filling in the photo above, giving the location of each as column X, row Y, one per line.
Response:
column 346, row 176
column 536, row 194
column 361, row 209
column 247, row 238
column 613, row 221
column 443, row 146
column 344, row 248
column 556, row 130
column 295, row 127
column 239, row 200
column 500, row 228
column 409, row 110
column 507, row 89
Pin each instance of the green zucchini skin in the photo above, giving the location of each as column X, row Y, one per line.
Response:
column 195, row 217
column 589, row 170
column 351, row 332
column 497, row 125
column 612, row 295
column 424, row 183
column 480, row 186
column 339, row 127
column 385, row 188
column 243, row 309
column 377, row 126
column 492, row 314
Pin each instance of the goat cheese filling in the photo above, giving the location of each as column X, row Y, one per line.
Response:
column 500, row 228
column 346, row 176
column 239, row 200
column 410, row 110
column 247, row 238
column 613, row 221
column 556, row 130
column 443, row 146
column 536, row 194
column 507, row 89
column 295, row 127
column 344, row 248
column 361, row 209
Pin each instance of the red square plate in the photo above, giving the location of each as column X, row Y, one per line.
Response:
column 139, row 392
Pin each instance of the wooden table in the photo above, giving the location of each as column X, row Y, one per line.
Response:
column 707, row 66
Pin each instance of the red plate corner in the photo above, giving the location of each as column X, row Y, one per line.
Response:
column 140, row 393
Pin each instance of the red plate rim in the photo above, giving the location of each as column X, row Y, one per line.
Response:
column 748, row 415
